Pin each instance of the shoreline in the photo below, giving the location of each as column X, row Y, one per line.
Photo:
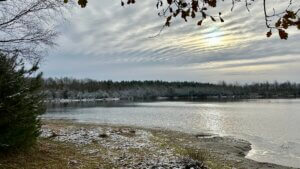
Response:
column 116, row 99
column 226, row 151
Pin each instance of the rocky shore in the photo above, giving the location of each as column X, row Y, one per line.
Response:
column 130, row 147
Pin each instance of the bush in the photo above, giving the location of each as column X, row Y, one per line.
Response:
column 21, row 102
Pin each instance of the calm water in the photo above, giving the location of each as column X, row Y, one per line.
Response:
column 272, row 126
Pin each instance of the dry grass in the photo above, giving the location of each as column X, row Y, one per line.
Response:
column 49, row 154
column 203, row 155
column 194, row 154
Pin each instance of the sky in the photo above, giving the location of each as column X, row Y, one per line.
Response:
column 106, row 41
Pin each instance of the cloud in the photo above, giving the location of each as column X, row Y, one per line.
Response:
column 105, row 40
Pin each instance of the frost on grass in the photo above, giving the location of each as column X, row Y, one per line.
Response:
column 123, row 147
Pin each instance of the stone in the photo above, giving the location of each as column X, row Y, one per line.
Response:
column 73, row 162
column 103, row 135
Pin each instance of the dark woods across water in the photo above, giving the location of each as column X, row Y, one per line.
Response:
column 68, row 88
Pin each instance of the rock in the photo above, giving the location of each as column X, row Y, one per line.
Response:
column 53, row 135
column 103, row 135
column 73, row 162
column 204, row 135
column 132, row 131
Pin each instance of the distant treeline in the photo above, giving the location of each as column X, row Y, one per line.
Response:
column 69, row 88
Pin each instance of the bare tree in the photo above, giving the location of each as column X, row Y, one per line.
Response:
column 27, row 26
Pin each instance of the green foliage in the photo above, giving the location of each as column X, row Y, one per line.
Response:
column 20, row 104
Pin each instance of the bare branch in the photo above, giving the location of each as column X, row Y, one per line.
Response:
column 27, row 26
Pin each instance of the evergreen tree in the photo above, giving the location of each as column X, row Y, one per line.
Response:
column 21, row 102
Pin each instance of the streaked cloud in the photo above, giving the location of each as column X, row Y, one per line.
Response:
column 107, row 41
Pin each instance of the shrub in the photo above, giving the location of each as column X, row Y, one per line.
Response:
column 21, row 103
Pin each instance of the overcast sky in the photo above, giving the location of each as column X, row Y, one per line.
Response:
column 105, row 41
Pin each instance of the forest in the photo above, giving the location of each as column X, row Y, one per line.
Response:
column 69, row 88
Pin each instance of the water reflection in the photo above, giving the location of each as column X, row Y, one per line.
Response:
column 272, row 126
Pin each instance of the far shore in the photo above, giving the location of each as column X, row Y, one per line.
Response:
column 109, row 146
column 116, row 99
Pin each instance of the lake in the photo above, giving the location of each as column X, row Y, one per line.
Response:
column 271, row 125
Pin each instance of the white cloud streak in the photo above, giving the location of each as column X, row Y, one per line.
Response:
column 105, row 40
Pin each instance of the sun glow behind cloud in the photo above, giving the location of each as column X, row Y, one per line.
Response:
column 215, row 37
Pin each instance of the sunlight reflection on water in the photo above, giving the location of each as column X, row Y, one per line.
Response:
column 272, row 126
